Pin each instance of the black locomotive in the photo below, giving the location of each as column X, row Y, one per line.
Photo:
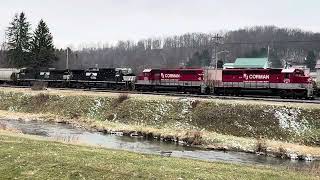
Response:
column 113, row 78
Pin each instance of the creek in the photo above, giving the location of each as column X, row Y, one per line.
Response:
column 69, row 133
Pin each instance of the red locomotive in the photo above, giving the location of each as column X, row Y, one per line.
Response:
column 287, row 83
column 181, row 80
column 290, row 83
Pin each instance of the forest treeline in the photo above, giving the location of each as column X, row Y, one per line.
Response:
column 293, row 46
column 281, row 45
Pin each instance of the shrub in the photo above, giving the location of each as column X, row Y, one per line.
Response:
column 195, row 103
column 74, row 115
column 40, row 99
column 120, row 99
column 312, row 138
column 37, row 86
column 261, row 145
column 193, row 137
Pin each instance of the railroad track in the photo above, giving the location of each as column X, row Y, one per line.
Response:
column 185, row 95
column 253, row 98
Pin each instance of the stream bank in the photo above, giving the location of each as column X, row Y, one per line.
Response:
column 72, row 135
column 287, row 131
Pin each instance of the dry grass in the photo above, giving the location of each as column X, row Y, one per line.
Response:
column 281, row 147
column 193, row 138
column 152, row 97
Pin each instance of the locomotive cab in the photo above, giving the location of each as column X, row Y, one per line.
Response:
column 298, row 80
column 295, row 76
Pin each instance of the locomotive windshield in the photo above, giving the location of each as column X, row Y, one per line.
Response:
column 299, row 73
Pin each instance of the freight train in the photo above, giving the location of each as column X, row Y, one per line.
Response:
column 286, row 83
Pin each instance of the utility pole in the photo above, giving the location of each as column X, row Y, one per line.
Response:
column 67, row 62
column 268, row 55
column 217, row 38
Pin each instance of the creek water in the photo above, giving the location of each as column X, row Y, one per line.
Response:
column 67, row 132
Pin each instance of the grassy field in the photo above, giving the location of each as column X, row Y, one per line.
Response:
column 24, row 157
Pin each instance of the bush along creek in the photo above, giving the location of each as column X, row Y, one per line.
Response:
column 286, row 131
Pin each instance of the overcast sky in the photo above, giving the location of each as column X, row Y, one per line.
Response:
column 90, row 21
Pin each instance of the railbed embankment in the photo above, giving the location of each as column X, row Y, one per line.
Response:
column 279, row 129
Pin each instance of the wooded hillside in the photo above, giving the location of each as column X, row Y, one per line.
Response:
column 197, row 49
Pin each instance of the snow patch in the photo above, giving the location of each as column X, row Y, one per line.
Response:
column 186, row 106
column 95, row 108
column 289, row 120
column 161, row 110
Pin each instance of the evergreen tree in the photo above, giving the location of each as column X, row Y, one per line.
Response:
column 199, row 59
column 195, row 60
column 220, row 64
column 205, row 58
column 42, row 48
column 310, row 60
column 18, row 37
column 275, row 60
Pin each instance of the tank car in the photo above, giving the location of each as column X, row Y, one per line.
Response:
column 8, row 75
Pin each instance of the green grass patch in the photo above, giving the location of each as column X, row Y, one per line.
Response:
column 25, row 158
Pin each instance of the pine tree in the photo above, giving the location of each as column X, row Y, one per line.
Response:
column 200, row 59
column 205, row 58
column 195, row 60
column 18, row 37
column 42, row 48
column 310, row 60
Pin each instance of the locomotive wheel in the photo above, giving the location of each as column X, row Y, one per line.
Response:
column 294, row 95
column 237, row 92
column 207, row 90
